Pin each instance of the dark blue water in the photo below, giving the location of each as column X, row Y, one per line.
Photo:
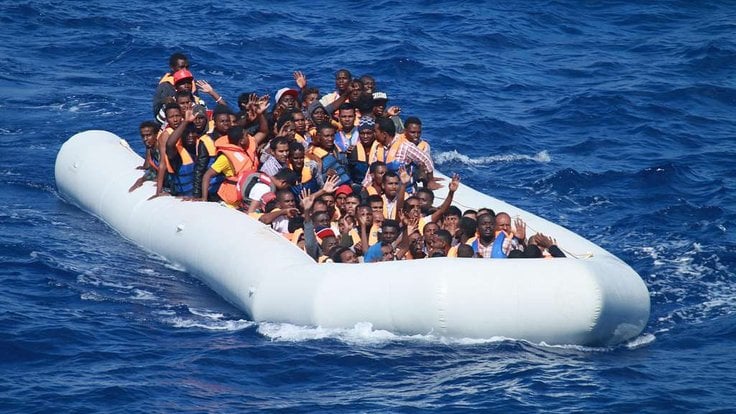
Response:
column 614, row 119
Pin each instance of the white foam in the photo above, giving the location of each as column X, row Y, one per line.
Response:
column 450, row 156
column 360, row 334
column 640, row 341
column 139, row 294
column 226, row 325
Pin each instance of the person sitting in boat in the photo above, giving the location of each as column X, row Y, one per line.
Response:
column 318, row 238
column 257, row 184
column 464, row 250
column 379, row 110
column 396, row 153
column 428, row 232
column 486, row 245
column 307, row 169
column 181, row 151
column 351, row 204
column 369, row 84
column 376, row 171
column 165, row 90
column 394, row 190
column 149, row 131
column 184, row 84
column 207, row 146
column 451, row 219
column 301, row 134
column 341, row 196
column 358, row 157
column 346, row 137
column 236, row 159
column 413, row 206
column 513, row 239
column 390, row 231
column 323, row 149
column 174, row 118
column 342, row 85
column 413, row 133
column 344, row 255
column 441, row 243
column 466, row 233
column 285, row 210
column 278, row 157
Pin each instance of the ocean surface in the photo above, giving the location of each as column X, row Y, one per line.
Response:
column 615, row 119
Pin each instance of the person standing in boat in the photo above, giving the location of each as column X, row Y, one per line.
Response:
column 342, row 87
column 324, row 152
column 181, row 151
column 396, row 152
column 165, row 90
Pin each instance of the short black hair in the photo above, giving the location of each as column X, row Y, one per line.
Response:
column 468, row 226
column 177, row 56
column 374, row 165
column 324, row 125
column 465, row 250
column 373, row 198
column 336, row 253
column 295, row 146
column 426, row 191
column 345, row 71
column 445, row 236
column 150, row 124
column 391, row 223
column 171, row 105
column 386, row 125
column 278, row 141
column 412, row 120
column 287, row 175
column 296, row 222
column 390, row 174
column 235, row 134
column 453, row 211
column 221, row 109
column 346, row 107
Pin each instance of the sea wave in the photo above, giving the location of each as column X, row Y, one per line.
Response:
column 447, row 157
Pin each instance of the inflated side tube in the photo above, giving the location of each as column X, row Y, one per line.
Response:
column 589, row 298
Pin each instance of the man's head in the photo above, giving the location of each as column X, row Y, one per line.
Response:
column 342, row 80
column 173, row 115
column 365, row 213
column 380, row 99
column 326, row 134
column 442, row 241
column 341, row 195
column 351, row 204
column 296, row 156
column 429, row 230
column 300, row 122
column 318, row 113
column 149, row 132
column 390, row 231
column 285, row 199
column 385, row 131
column 237, row 136
column 426, row 198
column 343, row 255
column 467, row 227
column 366, row 131
column 413, row 129
column 321, row 219
column 369, row 84
column 391, row 184
column 486, row 225
column 284, row 178
column 189, row 137
column 221, row 116
column 451, row 219
column 377, row 170
column 376, row 203
column 309, row 95
column 183, row 80
column 280, row 149
column 200, row 117
column 356, row 90
column 329, row 199
column 184, row 99
column 503, row 223
column 346, row 114
column 178, row 61
column 412, row 208
column 286, row 98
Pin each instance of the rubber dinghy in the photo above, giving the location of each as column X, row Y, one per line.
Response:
column 592, row 299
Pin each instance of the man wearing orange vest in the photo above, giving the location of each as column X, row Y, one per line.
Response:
column 236, row 157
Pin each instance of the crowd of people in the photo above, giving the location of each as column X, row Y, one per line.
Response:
column 342, row 175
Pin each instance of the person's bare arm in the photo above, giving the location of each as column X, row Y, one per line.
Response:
column 442, row 209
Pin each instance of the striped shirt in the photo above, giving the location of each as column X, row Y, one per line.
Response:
column 406, row 154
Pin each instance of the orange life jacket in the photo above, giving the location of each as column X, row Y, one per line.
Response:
column 243, row 163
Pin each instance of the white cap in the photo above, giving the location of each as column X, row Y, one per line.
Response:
column 288, row 91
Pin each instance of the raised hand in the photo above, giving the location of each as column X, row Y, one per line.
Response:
column 331, row 183
column 520, row 228
column 404, row 176
column 301, row 80
column 204, row 86
column 263, row 104
column 454, row 184
column 307, row 200
column 393, row 111
column 189, row 116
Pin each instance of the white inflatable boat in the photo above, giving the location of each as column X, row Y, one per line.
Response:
column 590, row 298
